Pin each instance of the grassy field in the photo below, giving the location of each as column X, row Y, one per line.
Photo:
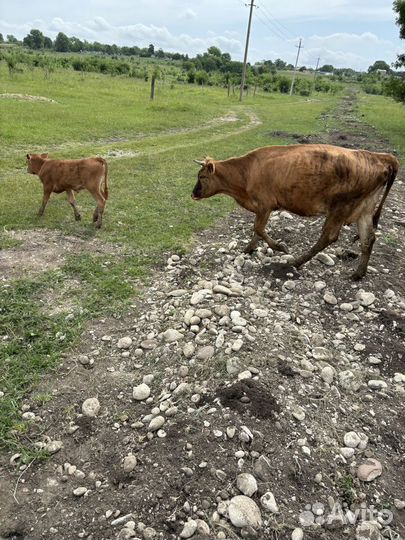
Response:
column 150, row 147
column 388, row 116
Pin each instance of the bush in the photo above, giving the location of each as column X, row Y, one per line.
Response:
column 395, row 88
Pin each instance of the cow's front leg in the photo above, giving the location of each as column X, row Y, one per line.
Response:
column 259, row 232
column 45, row 200
column 72, row 202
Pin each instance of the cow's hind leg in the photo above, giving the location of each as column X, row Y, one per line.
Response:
column 365, row 227
column 259, row 232
column 72, row 202
column 330, row 233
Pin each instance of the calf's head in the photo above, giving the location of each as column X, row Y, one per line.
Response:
column 208, row 183
column 35, row 162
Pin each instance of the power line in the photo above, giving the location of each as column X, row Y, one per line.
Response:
column 282, row 27
column 242, row 84
column 273, row 30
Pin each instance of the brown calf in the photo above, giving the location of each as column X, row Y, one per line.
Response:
column 308, row 180
column 72, row 175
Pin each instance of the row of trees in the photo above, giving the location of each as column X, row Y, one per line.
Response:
column 36, row 40
column 18, row 58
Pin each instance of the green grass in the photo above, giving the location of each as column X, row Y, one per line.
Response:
column 149, row 212
column 388, row 116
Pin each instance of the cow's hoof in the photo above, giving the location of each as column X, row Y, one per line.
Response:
column 296, row 263
column 78, row 217
column 249, row 250
column 357, row 276
column 98, row 225
column 282, row 247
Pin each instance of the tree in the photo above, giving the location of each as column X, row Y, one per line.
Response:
column 62, row 42
column 48, row 43
column 34, row 40
column 151, row 50
column 399, row 8
column 11, row 38
column 379, row 65
column 1, row 38
column 214, row 51
column 327, row 68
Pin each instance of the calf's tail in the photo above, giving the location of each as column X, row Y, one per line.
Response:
column 393, row 167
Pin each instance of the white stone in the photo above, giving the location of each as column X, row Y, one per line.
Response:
column 327, row 374
column 140, row 392
column 297, row 534
column 222, row 290
column 156, row 423
column 377, row 384
column 269, row 502
column 244, row 512
column 205, row 353
column 325, row 259
column 365, row 298
column 79, row 491
column 369, row 470
column 246, row 483
column 129, row 463
column 351, row 439
column 189, row 529
column 347, row 452
column 188, row 350
column 53, row 446
column 91, row 407
column 368, row 530
column 330, row 298
column 124, row 342
column 171, row 335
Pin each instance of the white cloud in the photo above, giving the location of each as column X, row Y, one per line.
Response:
column 188, row 14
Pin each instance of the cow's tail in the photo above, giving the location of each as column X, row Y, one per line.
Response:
column 393, row 167
column 104, row 181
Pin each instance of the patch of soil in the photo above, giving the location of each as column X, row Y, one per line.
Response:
column 44, row 249
column 27, row 97
column 258, row 399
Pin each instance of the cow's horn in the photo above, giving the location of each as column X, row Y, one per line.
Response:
column 199, row 162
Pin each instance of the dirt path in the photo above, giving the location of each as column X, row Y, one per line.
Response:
column 234, row 375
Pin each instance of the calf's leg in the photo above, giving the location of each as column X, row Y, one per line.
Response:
column 72, row 202
column 330, row 233
column 259, row 232
column 98, row 212
column 365, row 227
column 45, row 199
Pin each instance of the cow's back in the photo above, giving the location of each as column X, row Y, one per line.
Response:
column 308, row 179
column 73, row 174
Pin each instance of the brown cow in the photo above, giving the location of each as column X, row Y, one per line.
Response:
column 308, row 180
column 71, row 175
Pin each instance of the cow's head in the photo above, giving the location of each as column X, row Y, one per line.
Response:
column 35, row 162
column 207, row 181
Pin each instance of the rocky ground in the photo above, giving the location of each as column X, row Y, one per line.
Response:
column 239, row 398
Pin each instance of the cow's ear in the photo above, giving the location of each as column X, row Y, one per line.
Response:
column 210, row 167
column 28, row 156
column 44, row 156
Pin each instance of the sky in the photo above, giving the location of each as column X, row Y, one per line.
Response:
column 344, row 33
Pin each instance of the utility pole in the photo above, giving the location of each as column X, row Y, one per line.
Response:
column 295, row 67
column 242, row 84
column 316, row 69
